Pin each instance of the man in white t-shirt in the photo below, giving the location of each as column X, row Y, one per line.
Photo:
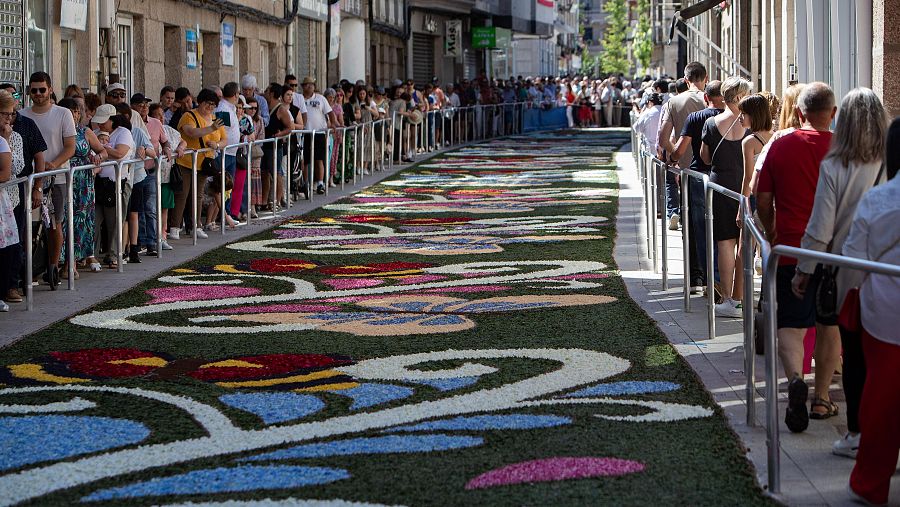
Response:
column 58, row 129
column 319, row 117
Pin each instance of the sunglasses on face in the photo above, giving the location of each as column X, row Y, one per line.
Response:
column 117, row 95
column 292, row 85
column 42, row 90
column 250, row 108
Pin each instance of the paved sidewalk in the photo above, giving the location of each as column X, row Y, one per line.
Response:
column 810, row 474
column 92, row 288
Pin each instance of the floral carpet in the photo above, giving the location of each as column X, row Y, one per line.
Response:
column 456, row 335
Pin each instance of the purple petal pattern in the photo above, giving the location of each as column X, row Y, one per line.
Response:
column 555, row 469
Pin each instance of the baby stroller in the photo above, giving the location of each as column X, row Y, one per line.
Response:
column 40, row 259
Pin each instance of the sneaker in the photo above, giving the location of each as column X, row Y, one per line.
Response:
column 320, row 188
column 174, row 233
column 796, row 417
column 13, row 296
column 697, row 286
column 166, row 245
column 201, row 234
column 847, row 446
column 673, row 222
column 3, row 306
column 729, row 309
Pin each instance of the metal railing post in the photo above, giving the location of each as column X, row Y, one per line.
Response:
column 119, row 210
column 710, row 267
column 70, row 227
column 195, row 215
column 772, row 438
column 159, row 208
column 289, row 171
column 222, row 196
column 29, row 240
column 685, row 237
column 276, row 159
column 749, row 344
column 662, row 174
column 249, row 189
column 654, row 201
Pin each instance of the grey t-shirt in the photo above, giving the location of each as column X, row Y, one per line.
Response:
column 55, row 125
column 676, row 111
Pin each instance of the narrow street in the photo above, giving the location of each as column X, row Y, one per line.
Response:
column 456, row 334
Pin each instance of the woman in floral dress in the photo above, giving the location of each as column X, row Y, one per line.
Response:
column 88, row 150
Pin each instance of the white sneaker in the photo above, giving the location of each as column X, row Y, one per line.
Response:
column 847, row 446
column 673, row 222
column 3, row 306
column 166, row 245
column 174, row 233
column 201, row 234
column 729, row 309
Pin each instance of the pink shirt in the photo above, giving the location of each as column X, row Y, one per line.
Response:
column 157, row 137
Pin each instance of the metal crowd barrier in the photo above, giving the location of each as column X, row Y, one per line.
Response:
column 456, row 126
column 651, row 172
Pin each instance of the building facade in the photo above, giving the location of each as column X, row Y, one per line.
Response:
column 846, row 43
column 146, row 45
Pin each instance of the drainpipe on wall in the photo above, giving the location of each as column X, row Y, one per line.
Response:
column 289, row 46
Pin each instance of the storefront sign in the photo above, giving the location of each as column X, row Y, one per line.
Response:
column 503, row 38
column 227, row 44
column 453, row 39
column 484, row 37
column 313, row 9
column 73, row 14
column 190, row 36
column 334, row 39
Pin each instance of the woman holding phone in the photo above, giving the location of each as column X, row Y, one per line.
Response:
column 199, row 129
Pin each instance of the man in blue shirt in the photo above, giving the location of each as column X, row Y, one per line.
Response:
column 690, row 136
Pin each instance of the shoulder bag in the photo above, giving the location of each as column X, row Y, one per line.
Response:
column 827, row 291
column 208, row 165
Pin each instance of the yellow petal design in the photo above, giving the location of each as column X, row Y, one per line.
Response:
column 36, row 372
column 281, row 380
column 142, row 361
column 231, row 363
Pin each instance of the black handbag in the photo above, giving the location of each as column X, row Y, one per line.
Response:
column 176, row 180
column 104, row 192
column 826, row 294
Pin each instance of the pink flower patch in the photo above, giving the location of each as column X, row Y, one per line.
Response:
column 198, row 293
column 352, row 283
column 554, row 469
column 278, row 309
column 407, row 280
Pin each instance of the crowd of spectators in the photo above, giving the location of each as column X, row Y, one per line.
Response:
column 78, row 129
column 807, row 164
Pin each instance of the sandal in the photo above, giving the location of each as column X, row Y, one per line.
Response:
column 831, row 409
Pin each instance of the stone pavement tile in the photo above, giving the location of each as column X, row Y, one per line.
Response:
column 810, row 474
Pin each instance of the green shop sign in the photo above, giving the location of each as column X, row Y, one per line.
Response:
column 484, row 37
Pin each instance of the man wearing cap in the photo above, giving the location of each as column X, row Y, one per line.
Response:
column 319, row 117
column 57, row 126
column 115, row 95
column 147, row 218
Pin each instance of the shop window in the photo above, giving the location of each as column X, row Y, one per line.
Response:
column 38, row 49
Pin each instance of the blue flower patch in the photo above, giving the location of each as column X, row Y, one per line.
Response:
column 275, row 407
column 372, row 445
column 623, row 388
column 489, row 422
column 225, row 480
column 33, row 439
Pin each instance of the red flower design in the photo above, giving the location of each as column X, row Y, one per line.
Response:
column 275, row 266
column 266, row 366
column 107, row 363
column 379, row 269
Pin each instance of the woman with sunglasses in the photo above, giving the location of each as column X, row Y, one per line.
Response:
column 199, row 129
column 281, row 123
